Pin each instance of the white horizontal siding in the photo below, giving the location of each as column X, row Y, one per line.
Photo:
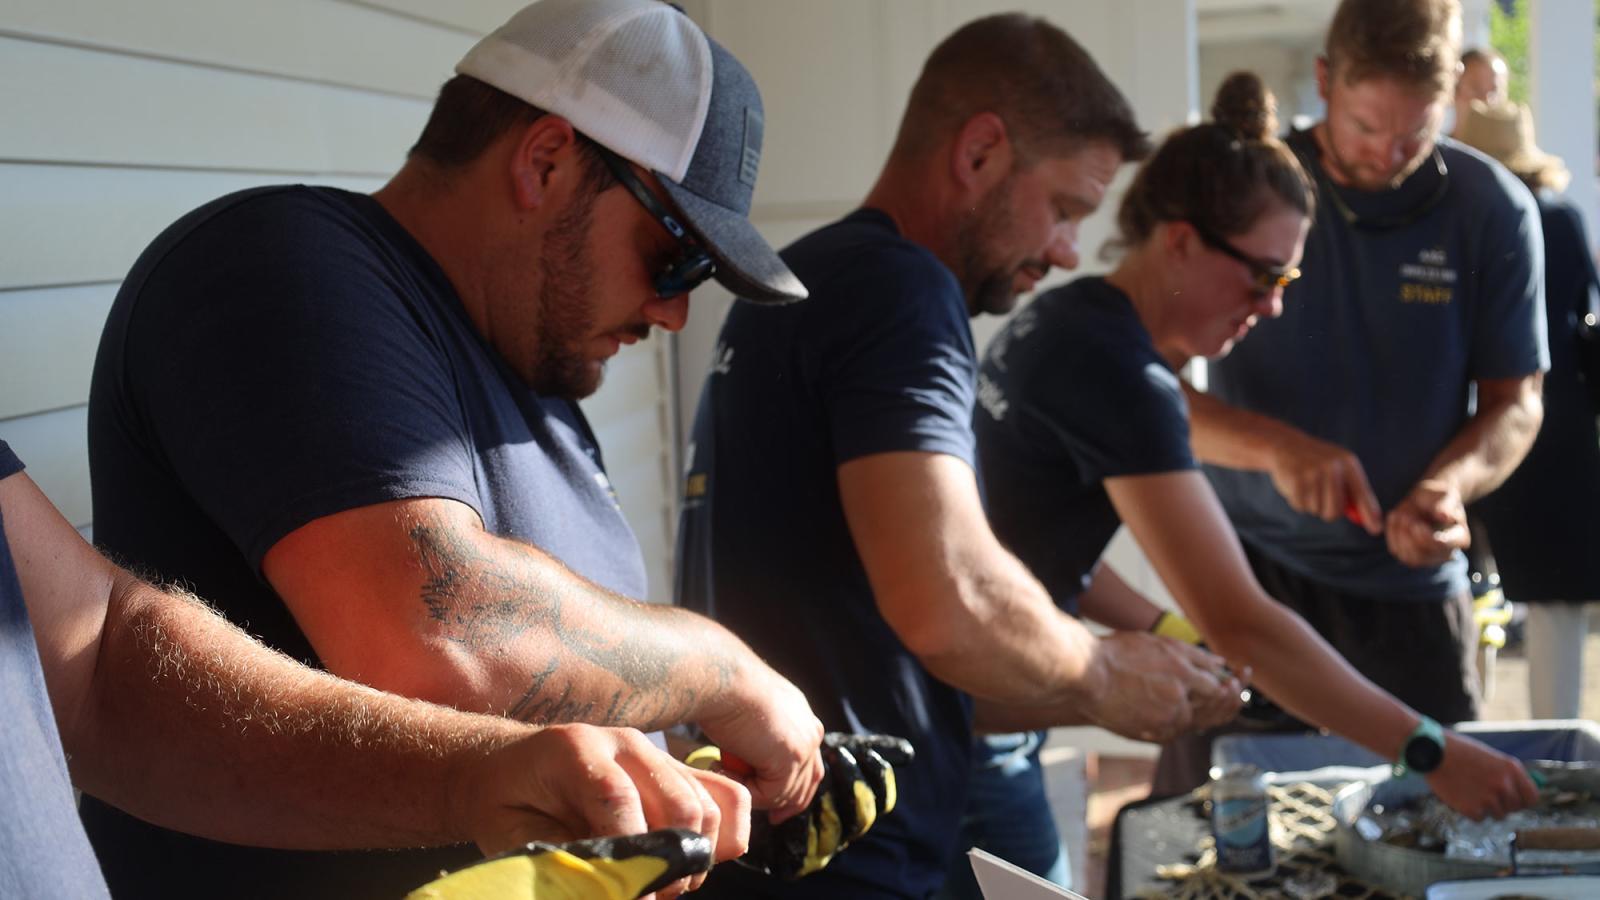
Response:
column 112, row 109
column 316, row 40
column 51, row 445
column 469, row 16
column 76, row 224
column 47, row 348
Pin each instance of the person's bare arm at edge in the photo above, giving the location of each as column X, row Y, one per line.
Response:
column 1430, row 524
column 1184, row 532
column 416, row 598
column 1315, row 477
column 979, row 621
column 161, row 704
column 1114, row 603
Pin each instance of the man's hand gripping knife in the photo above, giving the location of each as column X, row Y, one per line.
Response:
column 614, row 868
column 857, row 789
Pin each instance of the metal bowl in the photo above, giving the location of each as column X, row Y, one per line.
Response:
column 1411, row 871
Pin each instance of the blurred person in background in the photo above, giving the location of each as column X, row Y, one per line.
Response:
column 1485, row 77
column 1544, row 522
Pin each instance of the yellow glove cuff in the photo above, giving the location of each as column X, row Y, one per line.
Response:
column 1175, row 626
column 704, row 758
column 555, row 875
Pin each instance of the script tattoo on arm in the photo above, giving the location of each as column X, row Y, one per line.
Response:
column 487, row 602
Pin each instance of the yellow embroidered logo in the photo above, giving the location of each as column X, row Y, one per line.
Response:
column 1430, row 280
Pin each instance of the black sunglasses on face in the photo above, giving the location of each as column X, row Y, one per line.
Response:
column 1266, row 276
column 693, row 265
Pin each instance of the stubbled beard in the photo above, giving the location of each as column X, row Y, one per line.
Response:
column 988, row 288
column 559, row 367
column 1349, row 173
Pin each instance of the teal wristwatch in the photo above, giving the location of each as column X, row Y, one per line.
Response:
column 1423, row 751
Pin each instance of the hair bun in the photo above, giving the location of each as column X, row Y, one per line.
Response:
column 1245, row 105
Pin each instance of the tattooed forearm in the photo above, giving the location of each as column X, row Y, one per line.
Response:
column 488, row 602
column 543, row 707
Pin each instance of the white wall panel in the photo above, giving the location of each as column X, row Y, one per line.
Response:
column 75, row 224
column 1561, row 50
column 47, row 345
column 468, row 16
column 52, row 447
column 318, row 40
column 816, row 149
column 630, row 370
column 631, row 417
column 88, row 106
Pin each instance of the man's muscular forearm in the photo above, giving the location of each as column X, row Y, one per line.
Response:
column 331, row 764
column 1496, row 439
column 415, row 597
column 560, row 649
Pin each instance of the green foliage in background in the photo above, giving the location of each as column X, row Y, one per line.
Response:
column 1509, row 35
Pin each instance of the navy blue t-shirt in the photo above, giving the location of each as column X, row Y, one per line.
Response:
column 43, row 851
column 1439, row 283
column 1073, row 392
column 879, row 359
column 277, row 356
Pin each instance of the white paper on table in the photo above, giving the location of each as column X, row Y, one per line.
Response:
column 1000, row 880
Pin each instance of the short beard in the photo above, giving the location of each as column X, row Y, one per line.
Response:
column 987, row 288
column 1349, row 175
column 566, row 317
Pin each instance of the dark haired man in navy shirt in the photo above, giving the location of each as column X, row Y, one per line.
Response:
column 833, row 516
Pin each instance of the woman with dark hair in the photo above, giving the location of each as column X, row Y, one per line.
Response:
column 1084, row 426
column 1543, row 524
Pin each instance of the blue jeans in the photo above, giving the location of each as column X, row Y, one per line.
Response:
column 1008, row 814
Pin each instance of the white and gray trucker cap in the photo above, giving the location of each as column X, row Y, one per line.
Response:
column 641, row 79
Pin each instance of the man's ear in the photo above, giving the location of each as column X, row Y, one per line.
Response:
column 1324, row 73
column 982, row 154
column 544, row 152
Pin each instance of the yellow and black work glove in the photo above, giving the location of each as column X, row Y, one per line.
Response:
column 614, row 868
column 857, row 789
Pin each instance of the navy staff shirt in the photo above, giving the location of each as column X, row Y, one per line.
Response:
column 1437, row 284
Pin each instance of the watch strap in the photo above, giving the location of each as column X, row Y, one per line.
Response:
column 1427, row 730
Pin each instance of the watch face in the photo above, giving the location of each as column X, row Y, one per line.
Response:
column 1423, row 754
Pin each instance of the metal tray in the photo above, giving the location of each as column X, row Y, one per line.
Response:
column 1397, row 868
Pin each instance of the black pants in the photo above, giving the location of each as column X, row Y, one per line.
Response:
column 1424, row 653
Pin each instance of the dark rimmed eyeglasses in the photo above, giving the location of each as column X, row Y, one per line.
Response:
column 1266, row 276
column 693, row 264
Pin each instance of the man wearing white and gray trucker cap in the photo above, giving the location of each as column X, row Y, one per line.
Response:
column 350, row 420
